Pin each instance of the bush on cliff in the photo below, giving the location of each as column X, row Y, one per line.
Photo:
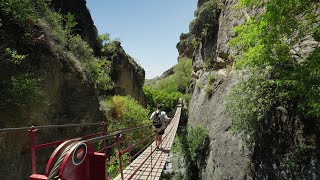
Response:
column 124, row 111
column 167, row 91
column 280, row 92
column 167, row 99
column 205, row 19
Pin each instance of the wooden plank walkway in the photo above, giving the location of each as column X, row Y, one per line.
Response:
column 150, row 163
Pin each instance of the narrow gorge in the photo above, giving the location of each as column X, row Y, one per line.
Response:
column 248, row 73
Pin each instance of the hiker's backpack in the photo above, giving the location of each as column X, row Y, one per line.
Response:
column 156, row 120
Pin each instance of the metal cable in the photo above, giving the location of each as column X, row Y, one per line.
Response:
column 54, row 171
column 49, row 126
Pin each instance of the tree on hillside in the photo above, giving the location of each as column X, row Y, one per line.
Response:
column 182, row 74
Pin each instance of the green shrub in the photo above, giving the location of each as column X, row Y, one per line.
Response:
column 12, row 56
column 22, row 90
column 187, row 97
column 19, row 10
column 108, row 45
column 80, row 49
column 191, row 142
column 276, row 78
column 167, row 99
column 113, row 167
column 124, row 111
column 205, row 19
column 177, row 82
column 208, row 90
column 194, row 43
column 99, row 70
column 70, row 22
column 212, row 78
column 167, row 84
column 182, row 74
column 196, row 137
column 249, row 101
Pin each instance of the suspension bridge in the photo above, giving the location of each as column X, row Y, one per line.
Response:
column 128, row 153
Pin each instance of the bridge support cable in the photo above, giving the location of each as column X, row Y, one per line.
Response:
column 150, row 163
column 76, row 159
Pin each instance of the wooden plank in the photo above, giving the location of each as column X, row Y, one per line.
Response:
column 153, row 166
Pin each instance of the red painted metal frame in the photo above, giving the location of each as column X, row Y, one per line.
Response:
column 118, row 142
column 32, row 135
column 33, row 147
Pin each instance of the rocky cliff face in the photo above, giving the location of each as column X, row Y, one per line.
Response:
column 85, row 27
column 127, row 74
column 228, row 157
column 214, row 74
column 186, row 46
column 66, row 91
column 68, row 97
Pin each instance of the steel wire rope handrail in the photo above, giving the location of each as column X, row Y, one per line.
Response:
column 92, row 137
column 49, row 126
column 136, row 170
column 160, row 153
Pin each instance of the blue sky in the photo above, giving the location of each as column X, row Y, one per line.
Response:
column 148, row 29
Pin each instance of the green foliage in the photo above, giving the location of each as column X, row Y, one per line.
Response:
column 99, row 70
column 209, row 90
column 196, row 137
column 70, row 23
column 167, row 91
column 179, row 81
column 275, row 77
column 12, row 56
column 186, row 97
column 124, row 112
column 194, row 42
column 113, row 167
column 182, row 74
column 107, row 44
column 205, row 19
column 21, row 90
column 19, row 10
column 212, row 78
column 266, row 39
column 307, row 86
column 249, row 102
column 167, row 99
column 80, row 49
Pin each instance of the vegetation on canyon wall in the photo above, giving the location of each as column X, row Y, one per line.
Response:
column 280, row 88
column 23, row 81
column 168, row 90
column 277, row 78
column 205, row 20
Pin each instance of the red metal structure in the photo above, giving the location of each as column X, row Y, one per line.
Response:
column 89, row 157
column 75, row 159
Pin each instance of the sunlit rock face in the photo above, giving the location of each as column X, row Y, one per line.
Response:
column 228, row 156
column 127, row 74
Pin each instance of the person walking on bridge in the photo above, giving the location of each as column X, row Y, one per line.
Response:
column 160, row 120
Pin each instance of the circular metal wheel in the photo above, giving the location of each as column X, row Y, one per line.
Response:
column 57, row 153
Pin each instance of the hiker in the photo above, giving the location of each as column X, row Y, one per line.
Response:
column 160, row 119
